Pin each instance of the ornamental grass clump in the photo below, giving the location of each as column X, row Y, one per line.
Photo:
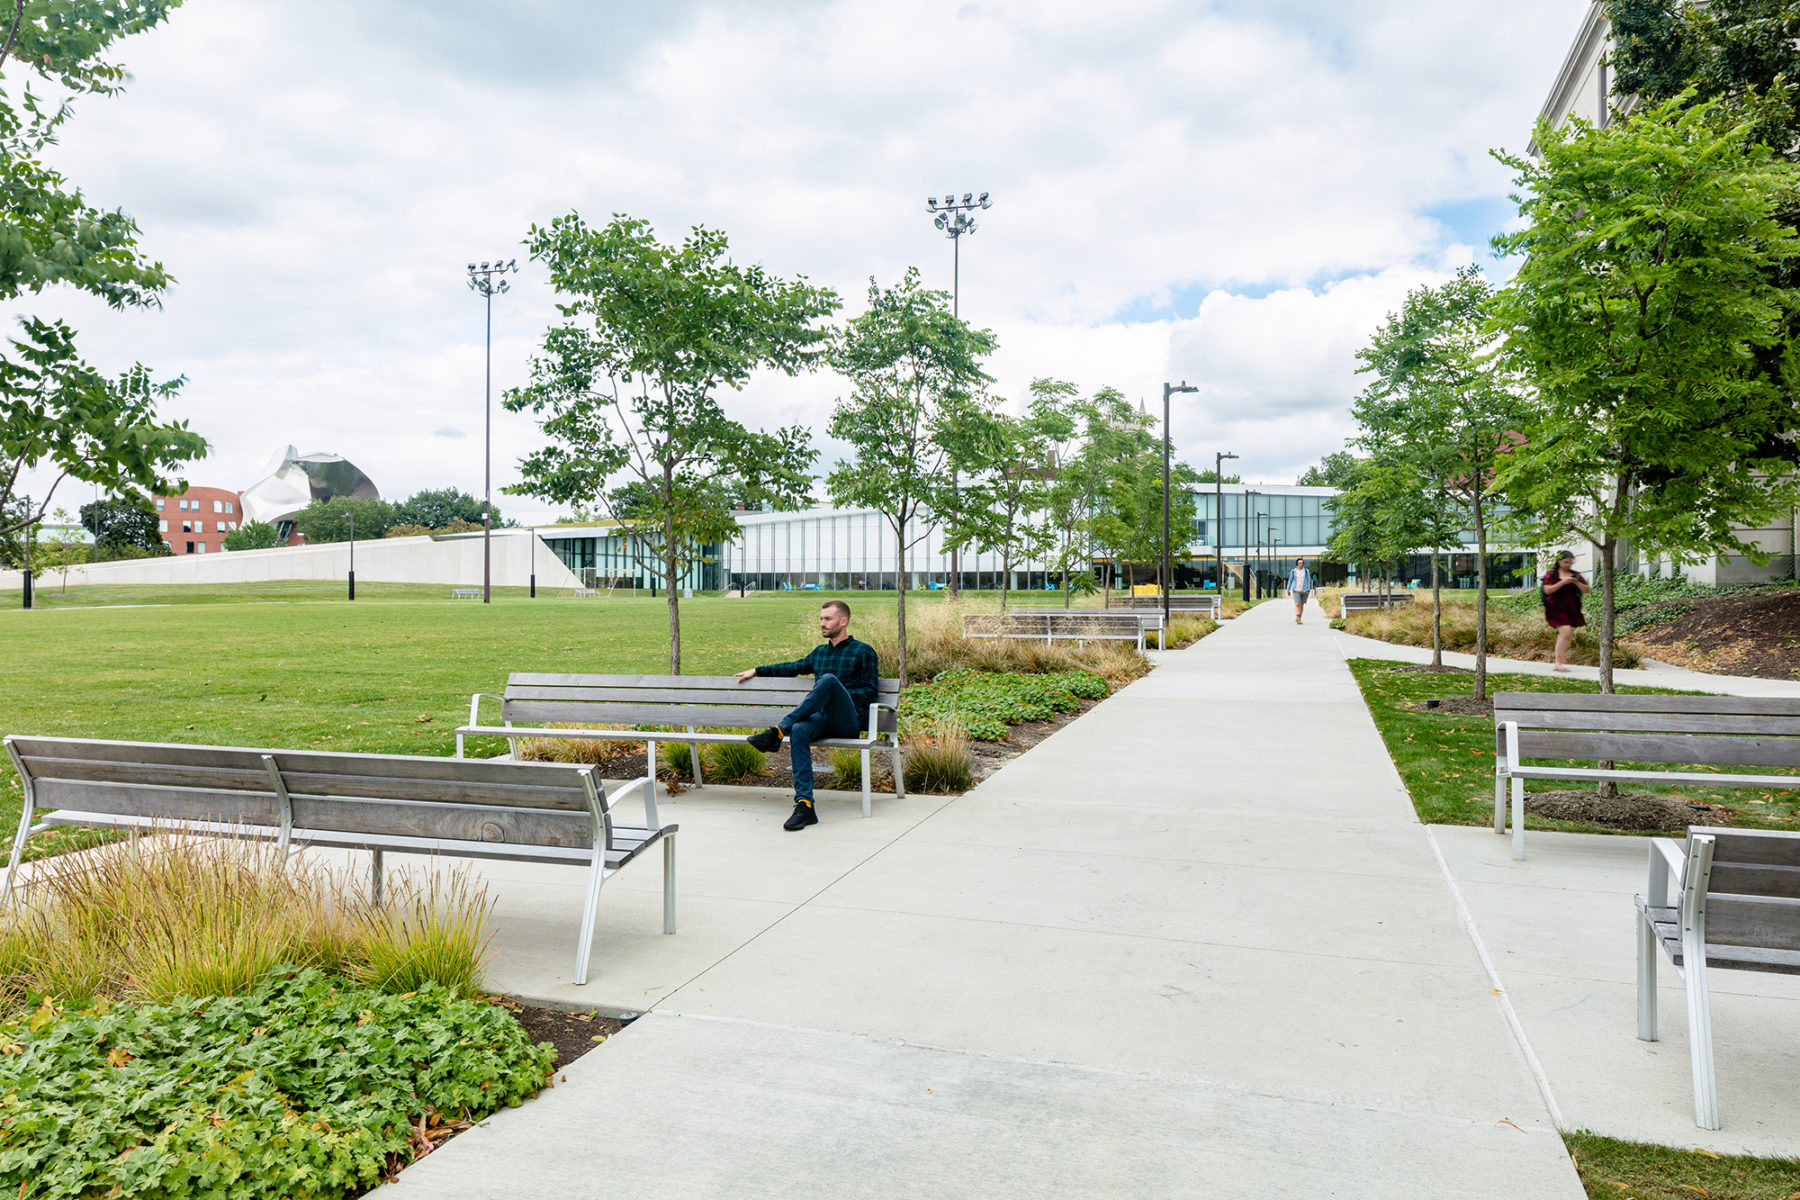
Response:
column 734, row 762
column 939, row 762
column 156, row 917
column 593, row 752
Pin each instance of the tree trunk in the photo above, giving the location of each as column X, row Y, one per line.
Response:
column 900, row 592
column 1608, row 789
column 1005, row 581
column 1065, row 583
column 1481, row 594
column 1437, row 614
column 670, row 558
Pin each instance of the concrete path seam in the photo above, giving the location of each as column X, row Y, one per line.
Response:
column 1160, row 1077
column 1499, row 988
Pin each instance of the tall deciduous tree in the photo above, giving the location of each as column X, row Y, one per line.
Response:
column 1086, row 469
column 1012, row 466
column 57, row 413
column 1646, row 319
column 627, row 386
column 1444, row 401
column 917, row 381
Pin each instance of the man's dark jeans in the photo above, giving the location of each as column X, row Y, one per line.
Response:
column 827, row 712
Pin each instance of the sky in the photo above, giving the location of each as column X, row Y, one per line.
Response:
column 1234, row 193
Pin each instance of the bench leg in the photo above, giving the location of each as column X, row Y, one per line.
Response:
column 1706, row 1091
column 1499, row 803
column 668, row 883
column 18, row 852
column 596, row 876
column 1647, row 950
column 1518, row 818
column 899, row 770
column 694, row 758
column 375, row 875
column 865, row 781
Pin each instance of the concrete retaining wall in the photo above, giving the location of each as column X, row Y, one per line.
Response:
column 454, row 561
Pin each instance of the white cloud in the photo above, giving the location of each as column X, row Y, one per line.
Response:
column 1233, row 192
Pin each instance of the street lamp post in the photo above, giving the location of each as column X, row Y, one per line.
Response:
column 534, row 562
column 26, row 533
column 1218, row 532
column 481, row 280
column 1275, row 557
column 953, row 217
column 1248, row 492
column 1168, row 566
column 1261, row 530
column 353, row 556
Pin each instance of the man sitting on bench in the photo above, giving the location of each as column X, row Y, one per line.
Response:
column 846, row 673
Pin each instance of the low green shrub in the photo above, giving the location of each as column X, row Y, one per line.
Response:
column 308, row 1086
column 985, row 705
column 733, row 762
column 846, row 770
column 938, row 763
column 596, row 752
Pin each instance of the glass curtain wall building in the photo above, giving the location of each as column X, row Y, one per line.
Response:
column 1262, row 530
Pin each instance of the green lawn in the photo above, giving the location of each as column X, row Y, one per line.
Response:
column 1636, row 1171
column 294, row 665
column 1447, row 761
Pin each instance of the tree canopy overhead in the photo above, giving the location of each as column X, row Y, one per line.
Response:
column 57, row 412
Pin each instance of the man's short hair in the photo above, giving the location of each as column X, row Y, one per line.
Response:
column 839, row 605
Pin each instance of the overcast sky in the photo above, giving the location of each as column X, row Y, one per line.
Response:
column 1234, row 192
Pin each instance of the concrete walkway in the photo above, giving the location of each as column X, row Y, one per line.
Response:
column 1193, row 944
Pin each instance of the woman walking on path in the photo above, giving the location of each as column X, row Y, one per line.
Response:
column 1300, row 584
column 1563, row 587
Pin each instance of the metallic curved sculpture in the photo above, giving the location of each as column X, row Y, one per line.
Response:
column 291, row 481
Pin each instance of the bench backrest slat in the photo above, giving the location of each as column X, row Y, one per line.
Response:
column 1662, row 748
column 1756, row 706
column 1771, row 922
column 1628, row 722
column 540, row 804
column 1733, row 731
column 678, row 700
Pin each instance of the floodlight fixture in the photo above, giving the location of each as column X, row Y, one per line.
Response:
column 482, row 281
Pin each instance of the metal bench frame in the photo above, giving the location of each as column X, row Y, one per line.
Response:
column 1689, row 730
column 686, row 701
column 1737, row 908
column 1349, row 602
column 531, row 812
column 1210, row 604
column 1063, row 625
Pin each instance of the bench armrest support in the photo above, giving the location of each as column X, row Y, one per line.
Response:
column 474, row 715
column 1668, row 864
column 648, row 786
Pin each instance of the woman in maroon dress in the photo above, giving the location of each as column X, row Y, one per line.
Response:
column 1563, row 587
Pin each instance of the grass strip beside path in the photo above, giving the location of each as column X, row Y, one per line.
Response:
column 1447, row 759
column 1618, row 1170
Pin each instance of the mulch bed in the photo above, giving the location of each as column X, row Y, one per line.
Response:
column 1628, row 811
column 1462, row 706
column 572, row 1033
column 1756, row 634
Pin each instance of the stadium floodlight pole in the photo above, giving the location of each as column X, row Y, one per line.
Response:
column 1218, row 530
column 481, row 279
column 952, row 216
column 1168, row 565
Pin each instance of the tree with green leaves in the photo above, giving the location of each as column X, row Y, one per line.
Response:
column 1337, row 469
column 627, row 386
column 122, row 522
column 1646, row 319
column 917, row 383
column 1444, row 401
column 1087, row 461
column 436, row 508
column 257, row 535
column 337, row 519
column 1011, row 466
column 58, row 414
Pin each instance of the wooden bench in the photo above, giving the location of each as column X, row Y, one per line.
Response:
column 1066, row 625
column 1736, row 907
column 1731, row 731
column 1351, row 602
column 668, row 708
column 532, row 812
column 465, row 593
column 1208, row 606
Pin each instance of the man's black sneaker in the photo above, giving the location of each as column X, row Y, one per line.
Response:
column 768, row 741
column 803, row 815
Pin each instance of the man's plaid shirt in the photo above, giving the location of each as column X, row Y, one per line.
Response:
column 853, row 662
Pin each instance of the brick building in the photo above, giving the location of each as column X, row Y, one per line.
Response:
column 197, row 521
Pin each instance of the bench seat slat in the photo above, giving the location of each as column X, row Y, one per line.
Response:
column 638, row 735
column 1660, row 748
column 1611, row 722
column 1667, row 921
column 742, row 717
column 1674, row 778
